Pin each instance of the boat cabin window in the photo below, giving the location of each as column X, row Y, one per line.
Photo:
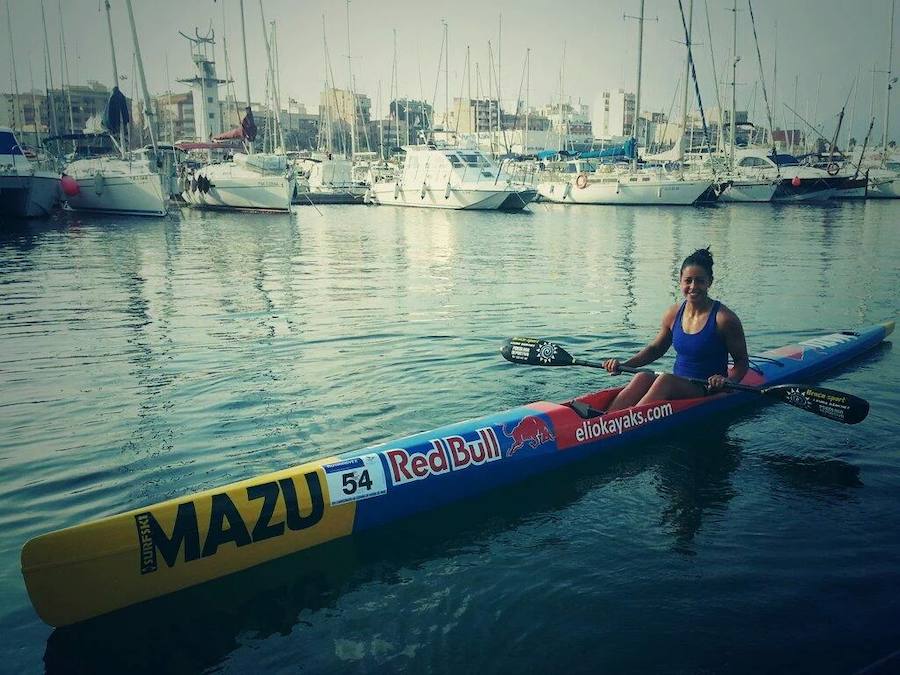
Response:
column 475, row 159
column 783, row 160
column 454, row 160
column 753, row 161
column 571, row 167
column 893, row 166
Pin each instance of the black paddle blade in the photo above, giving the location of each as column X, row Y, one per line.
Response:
column 535, row 352
column 835, row 405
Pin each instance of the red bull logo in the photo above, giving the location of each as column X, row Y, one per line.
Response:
column 531, row 430
column 453, row 453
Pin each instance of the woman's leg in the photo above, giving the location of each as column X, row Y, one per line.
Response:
column 668, row 387
column 633, row 392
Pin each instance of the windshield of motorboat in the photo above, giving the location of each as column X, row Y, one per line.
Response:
column 581, row 166
column 454, row 160
column 784, row 160
column 475, row 159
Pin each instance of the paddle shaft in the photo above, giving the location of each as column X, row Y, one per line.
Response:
column 829, row 403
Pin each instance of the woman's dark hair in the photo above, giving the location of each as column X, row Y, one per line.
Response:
column 701, row 258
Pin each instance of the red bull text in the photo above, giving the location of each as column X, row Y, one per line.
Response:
column 452, row 453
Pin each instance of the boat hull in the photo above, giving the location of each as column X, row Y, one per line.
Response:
column 740, row 190
column 94, row 568
column 28, row 195
column 883, row 185
column 453, row 198
column 630, row 191
column 264, row 194
column 136, row 194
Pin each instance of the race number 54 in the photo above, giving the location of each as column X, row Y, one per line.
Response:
column 355, row 479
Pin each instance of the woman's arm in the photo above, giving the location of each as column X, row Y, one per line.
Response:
column 657, row 347
column 729, row 326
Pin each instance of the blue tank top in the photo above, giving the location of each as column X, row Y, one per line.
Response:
column 699, row 354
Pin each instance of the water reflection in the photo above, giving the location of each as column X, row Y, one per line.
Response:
column 815, row 476
column 695, row 481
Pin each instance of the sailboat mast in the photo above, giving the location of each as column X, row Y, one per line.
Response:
column 277, row 125
column 246, row 69
column 446, row 82
column 637, row 95
column 687, row 79
column 527, row 88
column 17, row 112
column 112, row 46
column 64, row 72
column 887, row 96
column 49, row 72
column 148, row 110
column 396, row 95
column 350, row 85
column 734, row 61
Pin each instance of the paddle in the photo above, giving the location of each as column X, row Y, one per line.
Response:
column 835, row 405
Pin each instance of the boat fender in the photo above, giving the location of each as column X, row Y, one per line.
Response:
column 193, row 183
column 581, row 181
column 396, row 190
column 795, row 181
column 832, row 169
column 447, row 191
column 567, row 191
column 99, row 183
column 422, row 194
column 69, row 185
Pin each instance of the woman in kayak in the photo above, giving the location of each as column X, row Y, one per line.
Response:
column 704, row 332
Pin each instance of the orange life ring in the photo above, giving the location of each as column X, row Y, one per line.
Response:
column 581, row 181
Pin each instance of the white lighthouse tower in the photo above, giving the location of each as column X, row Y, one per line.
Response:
column 204, row 85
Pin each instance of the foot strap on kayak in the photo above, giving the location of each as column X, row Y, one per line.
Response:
column 584, row 410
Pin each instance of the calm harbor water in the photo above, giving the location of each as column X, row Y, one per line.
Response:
column 148, row 359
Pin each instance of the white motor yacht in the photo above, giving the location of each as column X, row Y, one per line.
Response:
column 796, row 182
column 26, row 191
column 451, row 178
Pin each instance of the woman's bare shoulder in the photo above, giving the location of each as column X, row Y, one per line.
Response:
column 726, row 318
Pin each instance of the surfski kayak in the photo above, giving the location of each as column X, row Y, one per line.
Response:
column 120, row 560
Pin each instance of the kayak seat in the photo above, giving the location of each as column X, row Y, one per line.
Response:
column 584, row 410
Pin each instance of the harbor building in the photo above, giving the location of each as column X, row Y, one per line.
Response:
column 344, row 118
column 613, row 115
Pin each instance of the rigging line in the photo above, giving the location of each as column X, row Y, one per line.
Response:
column 437, row 81
column 762, row 79
column 712, row 56
column 519, row 97
column 694, row 75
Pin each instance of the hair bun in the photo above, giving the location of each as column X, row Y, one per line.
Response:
column 701, row 257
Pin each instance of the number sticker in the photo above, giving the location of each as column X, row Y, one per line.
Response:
column 355, row 479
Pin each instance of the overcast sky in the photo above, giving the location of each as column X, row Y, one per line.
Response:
column 589, row 41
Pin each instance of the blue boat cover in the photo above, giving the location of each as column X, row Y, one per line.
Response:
column 624, row 150
column 8, row 144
